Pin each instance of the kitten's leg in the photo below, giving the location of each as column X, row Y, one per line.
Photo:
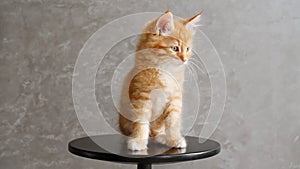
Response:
column 173, row 137
column 139, row 137
column 140, row 130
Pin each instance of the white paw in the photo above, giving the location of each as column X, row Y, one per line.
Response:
column 181, row 143
column 176, row 142
column 137, row 144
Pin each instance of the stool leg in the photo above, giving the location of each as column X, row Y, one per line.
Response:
column 144, row 166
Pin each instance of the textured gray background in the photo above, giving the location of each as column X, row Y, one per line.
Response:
column 259, row 46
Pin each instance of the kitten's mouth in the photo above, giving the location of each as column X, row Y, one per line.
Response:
column 184, row 60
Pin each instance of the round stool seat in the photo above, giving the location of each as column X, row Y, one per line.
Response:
column 114, row 148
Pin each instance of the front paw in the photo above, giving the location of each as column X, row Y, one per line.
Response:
column 181, row 143
column 176, row 142
column 136, row 144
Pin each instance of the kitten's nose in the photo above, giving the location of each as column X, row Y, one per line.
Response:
column 182, row 58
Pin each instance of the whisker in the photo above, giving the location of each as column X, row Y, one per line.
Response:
column 189, row 74
column 198, row 67
column 197, row 61
column 194, row 72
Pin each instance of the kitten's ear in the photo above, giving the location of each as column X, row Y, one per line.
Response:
column 192, row 22
column 165, row 24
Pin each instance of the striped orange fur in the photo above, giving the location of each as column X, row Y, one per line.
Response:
column 154, row 87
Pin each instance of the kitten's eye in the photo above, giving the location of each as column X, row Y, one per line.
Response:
column 187, row 49
column 175, row 48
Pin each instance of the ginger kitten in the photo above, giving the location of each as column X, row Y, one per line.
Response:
column 154, row 86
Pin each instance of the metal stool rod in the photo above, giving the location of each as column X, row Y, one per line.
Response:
column 144, row 166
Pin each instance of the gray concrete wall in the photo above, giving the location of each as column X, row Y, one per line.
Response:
column 258, row 42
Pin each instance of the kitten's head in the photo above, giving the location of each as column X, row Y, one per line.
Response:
column 171, row 37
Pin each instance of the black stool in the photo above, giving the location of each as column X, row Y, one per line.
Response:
column 86, row 147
